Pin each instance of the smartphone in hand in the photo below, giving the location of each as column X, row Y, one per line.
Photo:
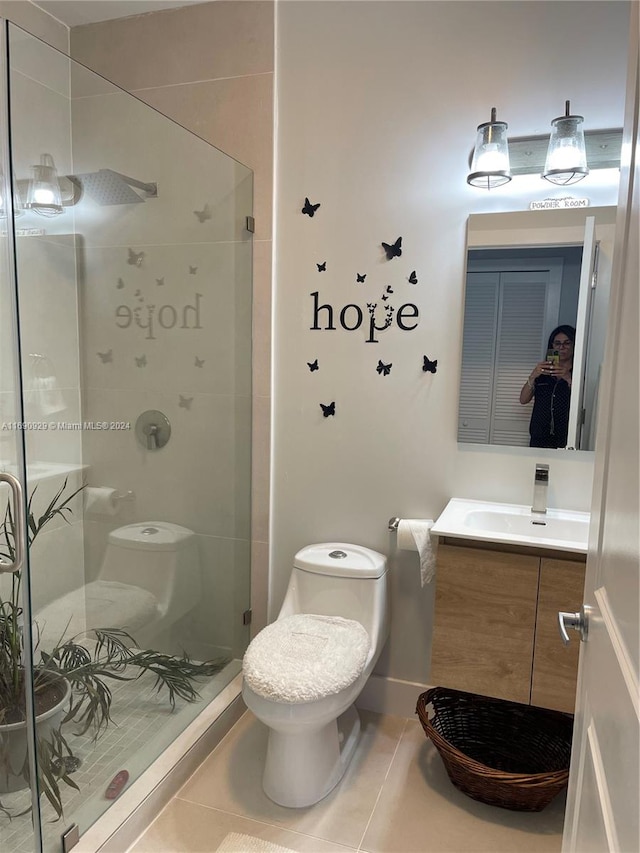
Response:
column 553, row 356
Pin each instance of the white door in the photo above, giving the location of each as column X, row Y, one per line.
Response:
column 603, row 797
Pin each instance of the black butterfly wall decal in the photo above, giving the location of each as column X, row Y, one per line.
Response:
column 394, row 250
column 384, row 369
column 142, row 361
column 185, row 402
column 120, row 284
column 135, row 258
column 429, row 366
column 192, row 270
column 389, row 289
column 106, row 357
column 328, row 410
column 322, row 267
column 160, row 281
column 413, row 278
column 313, row 365
column 360, row 278
column 203, row 214
column 309, row 208
column 384, row 297
column 199, row 362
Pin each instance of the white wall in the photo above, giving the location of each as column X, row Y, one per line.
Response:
column 377, row 108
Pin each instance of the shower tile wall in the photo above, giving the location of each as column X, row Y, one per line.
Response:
column 29, row 16
column 210, row 68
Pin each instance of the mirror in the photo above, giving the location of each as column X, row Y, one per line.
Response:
column 528, row 273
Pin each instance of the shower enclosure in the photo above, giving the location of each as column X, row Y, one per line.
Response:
column 125, row 373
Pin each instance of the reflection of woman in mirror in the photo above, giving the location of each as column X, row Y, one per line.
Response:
column 549, row 386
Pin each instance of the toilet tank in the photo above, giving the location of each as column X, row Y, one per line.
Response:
column 339, row 579
column 158, row 556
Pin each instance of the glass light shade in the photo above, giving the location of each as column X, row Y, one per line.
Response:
column 490, row 165
column 566, row 161
column 43, row 193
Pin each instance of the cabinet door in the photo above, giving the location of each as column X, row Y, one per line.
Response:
column 555, row 666
column 484, row 622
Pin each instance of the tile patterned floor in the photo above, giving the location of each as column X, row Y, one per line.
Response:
column 143, row 726
column 394, row 798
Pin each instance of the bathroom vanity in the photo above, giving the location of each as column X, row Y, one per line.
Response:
column 497, row 602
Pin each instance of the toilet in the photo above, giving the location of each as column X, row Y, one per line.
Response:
column 302, row 673
column 149, row 578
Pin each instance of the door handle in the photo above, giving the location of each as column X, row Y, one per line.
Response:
column 578, row 621
column 19, row 529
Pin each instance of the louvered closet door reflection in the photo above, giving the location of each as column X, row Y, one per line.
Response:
column 478, row 356
column 521, row 332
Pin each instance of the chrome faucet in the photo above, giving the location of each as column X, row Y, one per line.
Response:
column 540, row 486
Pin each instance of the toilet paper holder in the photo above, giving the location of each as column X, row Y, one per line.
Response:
column 393, row 524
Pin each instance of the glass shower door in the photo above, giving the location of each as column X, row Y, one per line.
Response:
column 17, row 716
column 134, row 293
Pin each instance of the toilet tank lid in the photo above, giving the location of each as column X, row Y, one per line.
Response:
column 340, row 559
column 151, row 536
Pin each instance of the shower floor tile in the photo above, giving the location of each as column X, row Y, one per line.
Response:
column 143, row 725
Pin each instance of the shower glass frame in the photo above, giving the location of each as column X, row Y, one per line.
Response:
column 90, row 344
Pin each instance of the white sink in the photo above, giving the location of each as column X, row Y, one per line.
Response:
column 557, row 529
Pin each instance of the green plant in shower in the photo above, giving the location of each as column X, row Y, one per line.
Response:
column 85, row 665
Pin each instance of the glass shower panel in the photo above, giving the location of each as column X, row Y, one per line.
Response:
column 17, row 723
column 134, row 287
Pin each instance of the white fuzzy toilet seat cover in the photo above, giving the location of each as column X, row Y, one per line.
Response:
column 304, row 658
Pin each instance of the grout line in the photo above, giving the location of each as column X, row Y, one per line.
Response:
column 279, row 826
column 386, row 776
column 203, row 80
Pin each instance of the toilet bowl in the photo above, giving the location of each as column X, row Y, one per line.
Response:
column 302, row 673
column 149, row 578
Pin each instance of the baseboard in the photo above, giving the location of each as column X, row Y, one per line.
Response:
column 390, row 696
column 138, row 806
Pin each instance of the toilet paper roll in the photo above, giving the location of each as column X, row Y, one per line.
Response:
column 414, row 534
column 100, row 500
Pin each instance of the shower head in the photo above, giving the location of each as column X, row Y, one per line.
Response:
column 108, row 187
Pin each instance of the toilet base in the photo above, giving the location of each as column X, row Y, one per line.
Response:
column 302, row 768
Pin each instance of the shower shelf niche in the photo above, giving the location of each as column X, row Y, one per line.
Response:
column 38, row 471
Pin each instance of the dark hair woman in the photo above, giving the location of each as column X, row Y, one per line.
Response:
column 549, row 386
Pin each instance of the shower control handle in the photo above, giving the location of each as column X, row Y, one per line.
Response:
column 153, row 429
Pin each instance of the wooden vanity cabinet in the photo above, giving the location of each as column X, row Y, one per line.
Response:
column 496, row 623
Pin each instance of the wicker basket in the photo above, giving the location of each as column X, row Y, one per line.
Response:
column 501, row 753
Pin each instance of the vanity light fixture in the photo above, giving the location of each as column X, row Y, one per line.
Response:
column 490, row 165
column 43, row 192
column 561, row 159
column 566, row 161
